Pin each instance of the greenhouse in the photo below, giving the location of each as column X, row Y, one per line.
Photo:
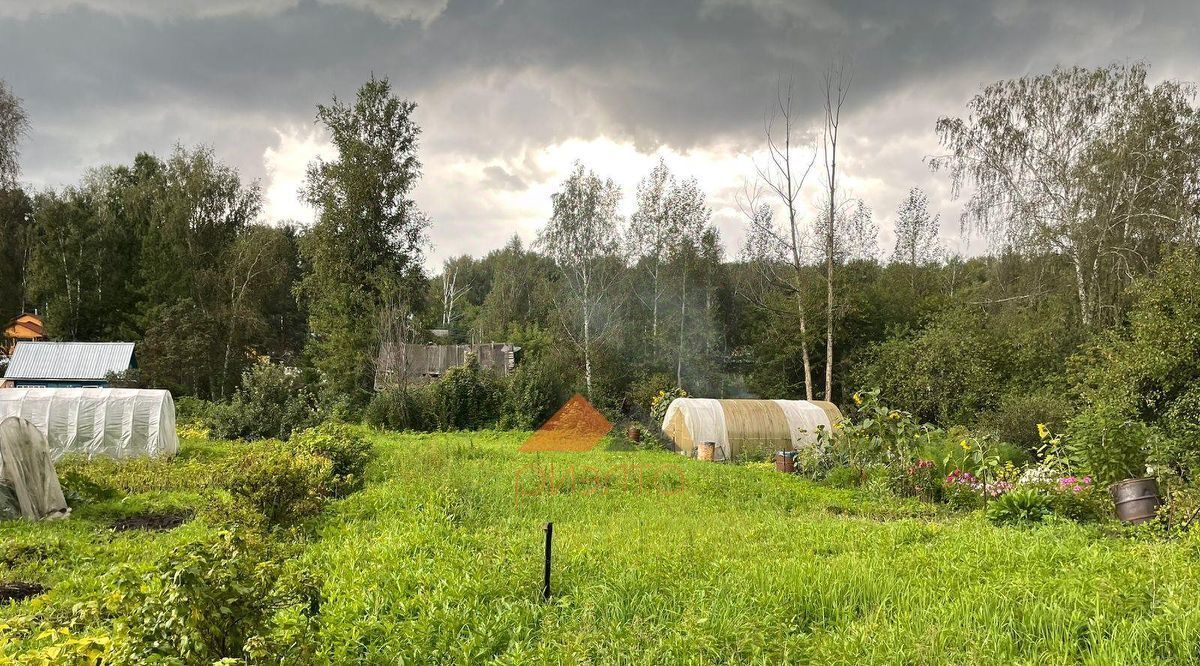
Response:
column 118, row 423
column 740, row 427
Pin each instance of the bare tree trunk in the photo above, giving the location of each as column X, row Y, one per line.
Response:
column 837, row 83
column 808, row 380
column 682, row 320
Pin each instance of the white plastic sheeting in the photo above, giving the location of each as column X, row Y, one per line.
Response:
column 737, row 425
column 27, row 473
column 118, row 423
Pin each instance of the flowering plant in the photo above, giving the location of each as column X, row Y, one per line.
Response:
column 918, row 479
column 662, row 400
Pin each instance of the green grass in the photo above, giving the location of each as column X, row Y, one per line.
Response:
column 439, row 560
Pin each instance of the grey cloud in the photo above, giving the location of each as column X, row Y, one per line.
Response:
column 498, row 178
column 497, row 80
column 422, row 11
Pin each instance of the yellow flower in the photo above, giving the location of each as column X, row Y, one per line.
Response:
column 895, row 415
column 858, row 400
column 1043, row 431
column 964, row 445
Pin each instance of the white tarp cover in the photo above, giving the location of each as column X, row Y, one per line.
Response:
column 27, row 473
column 804, row 418
column 118, row 423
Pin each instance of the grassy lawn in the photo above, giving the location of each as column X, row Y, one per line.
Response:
column 440, row 557
column 659, row 559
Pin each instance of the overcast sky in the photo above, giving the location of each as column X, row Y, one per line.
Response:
column 511, row 92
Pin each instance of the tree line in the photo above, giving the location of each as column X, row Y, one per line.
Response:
column 1084, row 180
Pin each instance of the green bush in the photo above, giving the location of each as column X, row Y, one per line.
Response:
column 348, row 452
column 284, row 484
column 1149, row 370
column 1023, row 505
column 468, row 397
column 1015, row 420
column 946, row 373
column 1107, row 445
column 537, row 389
column 223, row 598
column 271, row 403
column 194, row 411
column 401, row 408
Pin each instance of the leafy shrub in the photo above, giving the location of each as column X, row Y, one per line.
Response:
column 468, row 397
column 1149, row 370
column 271, row 403
column 401, row 408
column 1079, row 499
column 1108, row 446
column 845, row 477
column 97, row 479
column 536, row 390
column 947, row 372
column 662, row 400
column 348, row 452
column 220, row 598
column 194, row 410
column 1015, row 420
column 284, row 484
column 921, row 478
column 1023, row 505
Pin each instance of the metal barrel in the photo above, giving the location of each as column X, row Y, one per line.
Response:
column 1136, row 500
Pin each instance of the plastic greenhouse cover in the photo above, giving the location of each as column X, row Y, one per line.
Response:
column 706, row 420
column 118, row 423
column 27, row 472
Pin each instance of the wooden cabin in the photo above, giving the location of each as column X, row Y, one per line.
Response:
column 26, row 327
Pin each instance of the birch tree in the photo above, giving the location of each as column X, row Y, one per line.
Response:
column 692, row 218
column 583, row 237
column 778, row 250
column 13, row 126
column 916, row 231
column 837, row 87
column 1090, row 164
column 652, row 232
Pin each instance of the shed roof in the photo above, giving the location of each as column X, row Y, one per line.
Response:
column 69, row 360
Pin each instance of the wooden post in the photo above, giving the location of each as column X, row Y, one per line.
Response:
column 549, row 529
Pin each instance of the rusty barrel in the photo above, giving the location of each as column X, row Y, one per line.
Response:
column 706, row 451
column 1136, row 500
column 785, row 461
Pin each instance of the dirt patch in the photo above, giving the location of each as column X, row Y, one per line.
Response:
column 14, row 591
column 153, row 522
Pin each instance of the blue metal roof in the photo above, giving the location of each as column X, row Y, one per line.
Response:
column 69, row 360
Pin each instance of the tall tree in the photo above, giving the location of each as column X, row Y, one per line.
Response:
column 837, row 87
column 652, row 234
column 15, row 212
column 916, row 231
column 1090, row 164
column 692, row 216
column 13, row 125
column 583, row 237
column 16, row 230
column 771, row 245
column 365, row 249
column 521, row 294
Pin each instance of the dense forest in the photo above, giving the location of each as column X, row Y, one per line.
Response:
column 1086, row 181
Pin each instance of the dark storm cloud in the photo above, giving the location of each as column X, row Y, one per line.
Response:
column 495, row 79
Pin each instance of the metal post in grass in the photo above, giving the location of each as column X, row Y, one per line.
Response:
column 549, row 529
